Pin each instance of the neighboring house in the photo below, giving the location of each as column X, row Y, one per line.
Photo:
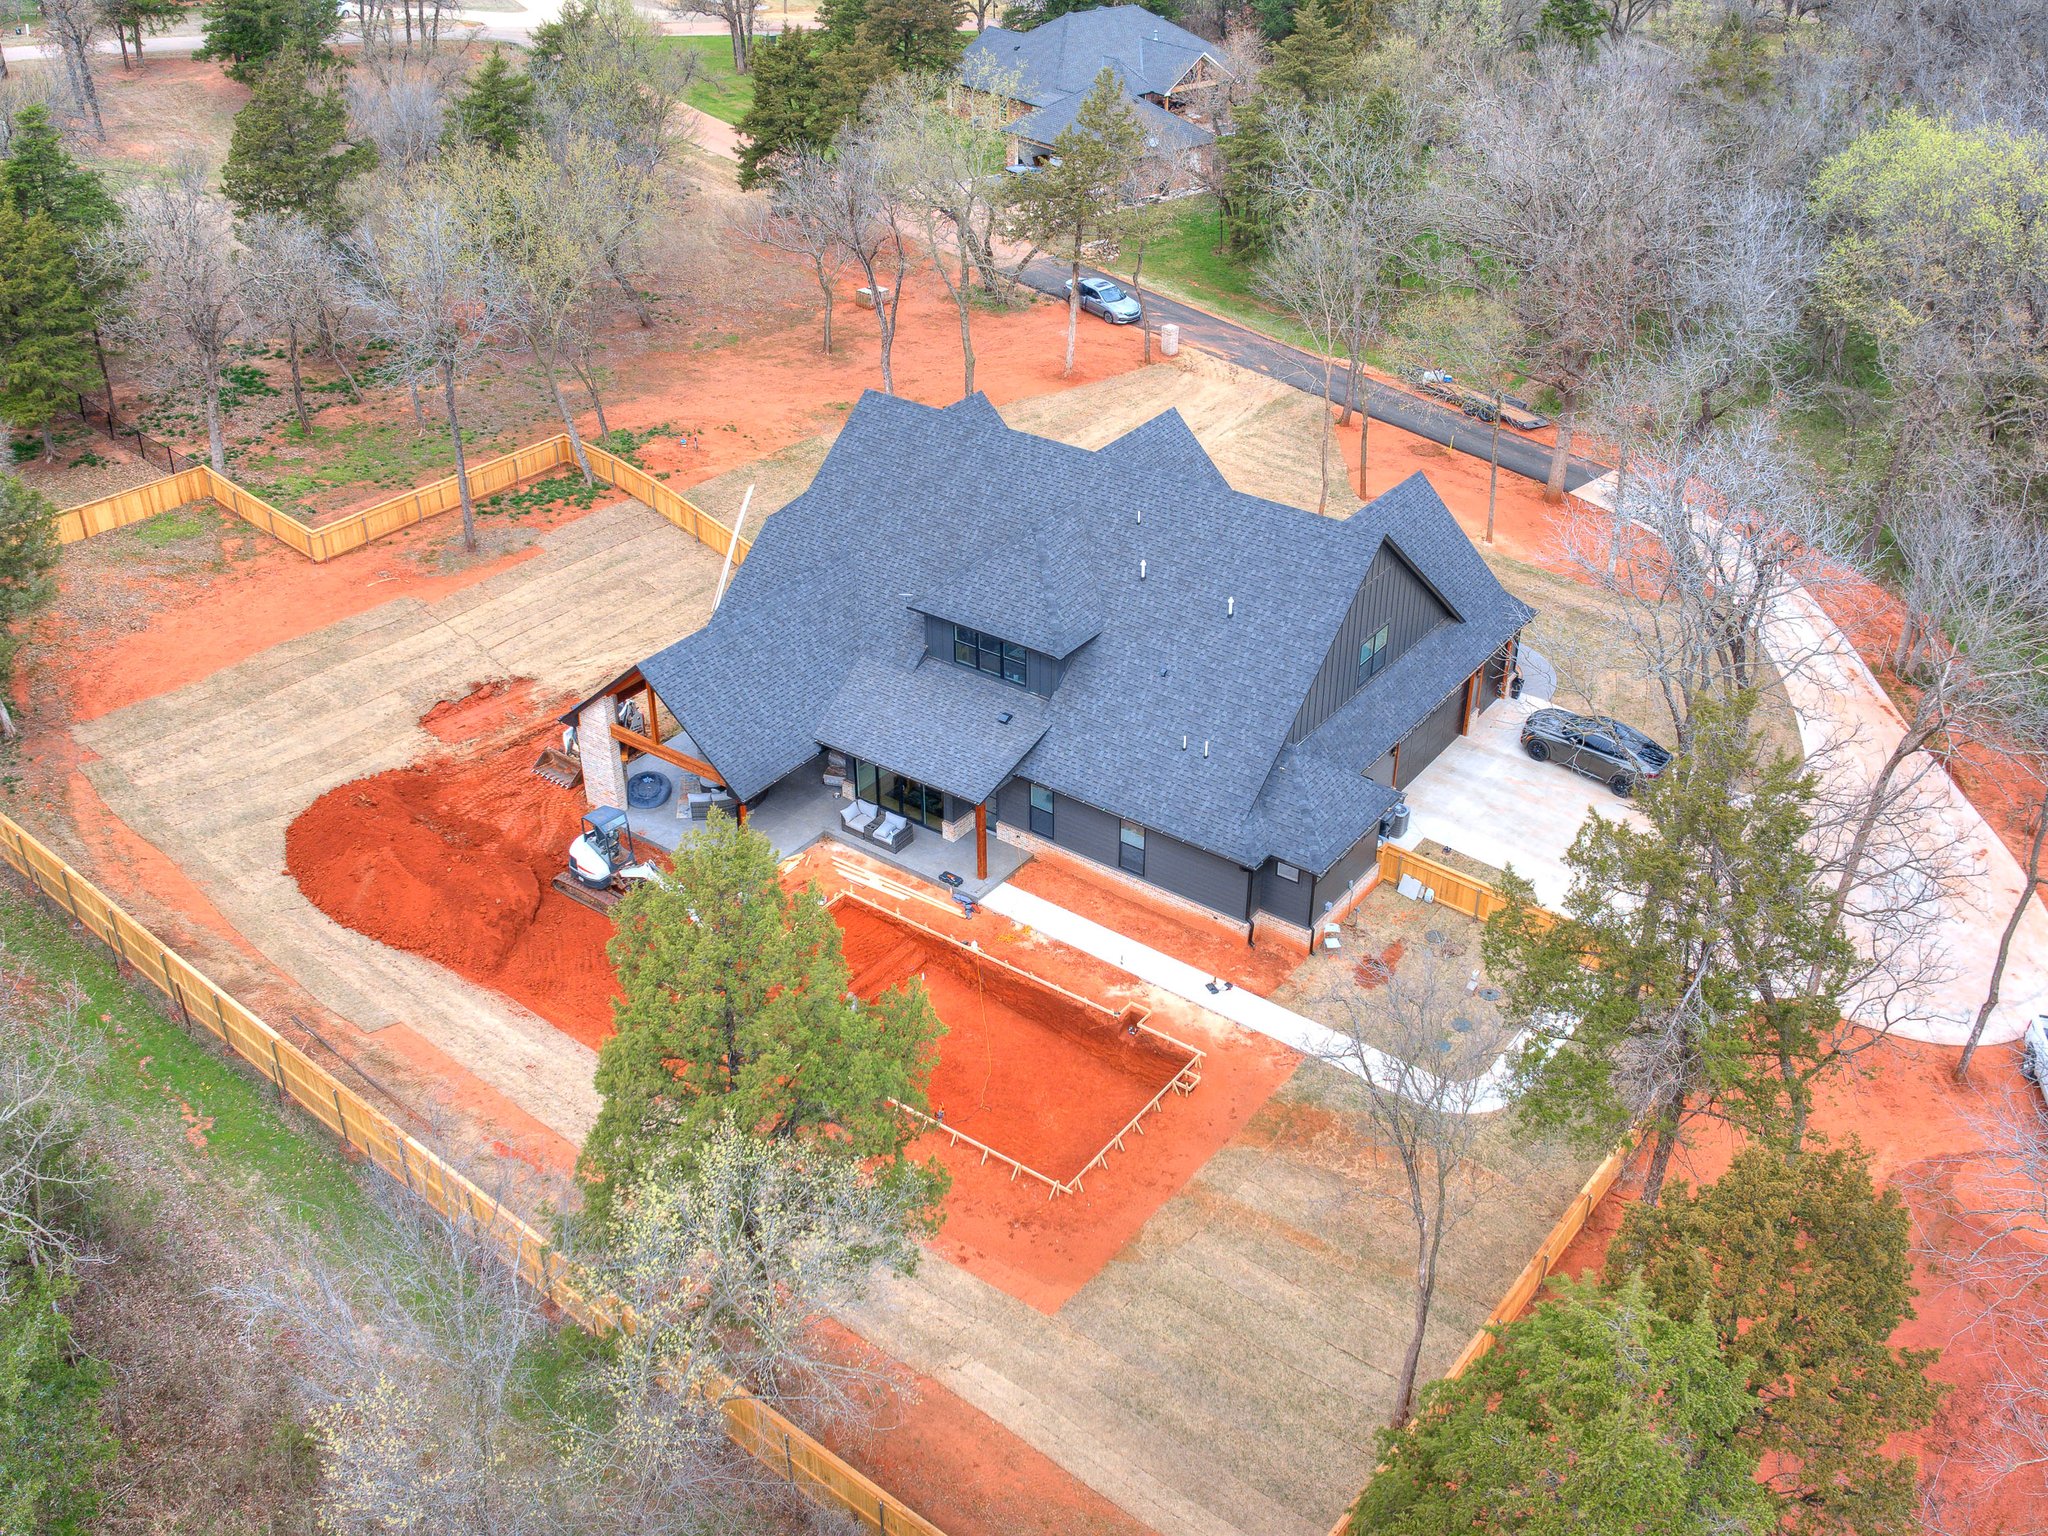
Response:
column 1173, row 79
column 1108, row 651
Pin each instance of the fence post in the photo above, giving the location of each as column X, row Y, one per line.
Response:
column 175, row 988
column 277, row 1064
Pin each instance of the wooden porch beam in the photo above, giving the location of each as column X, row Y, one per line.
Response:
column 1394, row 775
column 1465, row 710
column 981, row 841
column 653, row 748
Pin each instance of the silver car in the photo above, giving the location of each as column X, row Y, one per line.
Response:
column 1099, row 296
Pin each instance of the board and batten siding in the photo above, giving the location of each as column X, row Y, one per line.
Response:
column 1359, row 861
column 1174, row 866
column 1288, row 900
column 1041, row 672
column 1391, row 594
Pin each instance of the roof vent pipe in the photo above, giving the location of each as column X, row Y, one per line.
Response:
column 1141, row 570
column 1183, row 741
column 1205, row 746
column 1141, row 516
column 1230, row 608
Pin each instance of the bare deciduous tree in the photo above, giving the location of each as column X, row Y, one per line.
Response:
column 797, row 218
column 185, row 307
column 44, row 1178
column 439, row 296
column 76, row 27
column 400, row 105
column 739, row 18
column 1430, row 1097
column 1577, row 184
column 17, row 93
column 867, row 219
column 287, row 270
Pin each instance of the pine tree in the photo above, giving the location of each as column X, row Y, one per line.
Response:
column 1581, row 23
column 39, row 176
column 248, row 34
column 1314, row 62
column 289, row 152
column 496, row 110
column 1071, row 201
column 45, row 357
column 917, row 35
column 28, row 556
column 1594, row 1414
column 806, row 88
column 1804, row 1269
column 737, row 1005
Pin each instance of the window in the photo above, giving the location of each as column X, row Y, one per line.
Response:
column 1372, row 655
column 986, row 653
column 1286, row 871
column 1130, row 848
column 1041, row 811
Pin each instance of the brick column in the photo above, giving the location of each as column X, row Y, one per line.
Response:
column 604, row 765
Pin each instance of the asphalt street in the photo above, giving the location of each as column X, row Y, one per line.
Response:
column 1246, row 348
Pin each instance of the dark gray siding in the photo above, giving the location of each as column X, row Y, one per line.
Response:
column 1382, row 772
column 1391, row 594
column 1423, row 743
column 1287, row 900
column 1347, row 871
column 1041, row 672
column 1493, row 681
column 1170, row 864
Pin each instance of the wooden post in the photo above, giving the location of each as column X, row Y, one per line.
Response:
column 981, row 841
column 1465, row 713
column 1394, row 776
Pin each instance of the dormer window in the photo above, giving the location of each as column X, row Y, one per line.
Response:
column 1372, row 655
column 986, row 653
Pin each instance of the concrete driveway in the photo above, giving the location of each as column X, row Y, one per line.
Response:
column 1487, row 799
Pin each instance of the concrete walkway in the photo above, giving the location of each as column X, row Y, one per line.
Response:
column 1483, row 1095
column 1848, row 727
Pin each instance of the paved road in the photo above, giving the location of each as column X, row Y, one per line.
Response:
column 1246, row 348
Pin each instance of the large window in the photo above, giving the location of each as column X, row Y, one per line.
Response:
column 1041, row 811
column 1130, row 848
column 1372, row 655
column 985, row 653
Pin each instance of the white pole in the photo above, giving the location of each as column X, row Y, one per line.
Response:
column 731, row 546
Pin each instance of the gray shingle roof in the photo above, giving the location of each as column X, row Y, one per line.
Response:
column 1161, row 127
column 819, row 636
column 1063, row 57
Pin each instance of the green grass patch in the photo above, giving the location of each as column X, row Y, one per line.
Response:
column 172, row 1086
column 566, row 489
column 1190, row 261
column 395, row 455
column 172, row 527
column 719, row 90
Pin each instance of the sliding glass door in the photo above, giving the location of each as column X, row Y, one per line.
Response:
column 900, row 793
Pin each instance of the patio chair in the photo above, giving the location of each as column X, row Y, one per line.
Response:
column 857, row 816
column 892, row 832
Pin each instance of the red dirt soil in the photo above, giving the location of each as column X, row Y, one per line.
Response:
column 1922, row 1130
column 1034, row 1074
column 451, row 859
column 962, row 1470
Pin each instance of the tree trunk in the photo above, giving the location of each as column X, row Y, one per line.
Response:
column 291, row 332
column 739, row 48
column 7, row 728
column 1425, row 1293
column 1665, row 1129
column 419, row 411
column 1614, row 519
column 49, row 445
column 825, row 288
column 1553, row 488
column 216, row 446
column 461, row 468
column 1138, row 293
column 2012, row 926
column 562, row 410
column 1364, row 430
column 638, row 300
column 99, row 351
column 89, row 93
column 587, row 376
column 1493, row 469
column 121, row 41
column 1323, row 443
column 1073, row 306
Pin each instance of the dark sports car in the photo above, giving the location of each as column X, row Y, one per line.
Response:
column 1619, row 756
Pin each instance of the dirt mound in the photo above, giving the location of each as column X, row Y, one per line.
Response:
column 451, row 859
column 488, row 709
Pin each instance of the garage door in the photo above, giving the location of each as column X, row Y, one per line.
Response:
column 1429, row 738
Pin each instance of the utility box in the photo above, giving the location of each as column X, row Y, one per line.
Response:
column 1169, row 340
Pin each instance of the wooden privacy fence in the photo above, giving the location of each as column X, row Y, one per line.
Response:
column 752, row 1425
column 357, row 529
column 1461, row 893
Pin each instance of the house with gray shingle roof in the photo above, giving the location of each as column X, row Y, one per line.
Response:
column 1110, row 652
column 1170, row 77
